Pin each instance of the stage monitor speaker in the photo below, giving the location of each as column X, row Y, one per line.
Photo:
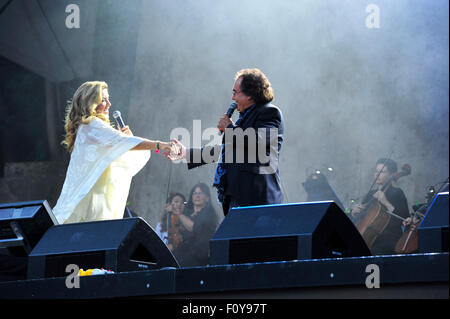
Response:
column 285, row 232
column 433, row 230
column 119, row 245
column 23, row 224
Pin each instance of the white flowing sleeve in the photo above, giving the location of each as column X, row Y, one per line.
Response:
column 97, row 145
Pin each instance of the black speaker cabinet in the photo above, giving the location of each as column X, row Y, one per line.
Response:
column 433, row 230
column 119, row 245
column 23, row 224
column 285, row 232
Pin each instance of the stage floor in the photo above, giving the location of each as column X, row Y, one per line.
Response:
column 400, row 276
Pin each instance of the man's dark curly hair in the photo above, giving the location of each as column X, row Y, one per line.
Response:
column 256, row 85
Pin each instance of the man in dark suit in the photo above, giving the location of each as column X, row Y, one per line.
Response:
column 247, row 171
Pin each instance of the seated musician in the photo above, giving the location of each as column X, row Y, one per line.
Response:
column 392, row 200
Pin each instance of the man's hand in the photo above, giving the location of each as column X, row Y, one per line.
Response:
column 407, row 222
column 381, row 197
column 176, row 156
column 224, row 122
column 358, row 209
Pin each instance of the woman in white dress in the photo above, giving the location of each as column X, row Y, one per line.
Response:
column 103, row 159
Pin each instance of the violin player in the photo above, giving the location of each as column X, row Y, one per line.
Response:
column 392, row 200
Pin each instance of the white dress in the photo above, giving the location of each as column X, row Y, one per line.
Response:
column 99, row 174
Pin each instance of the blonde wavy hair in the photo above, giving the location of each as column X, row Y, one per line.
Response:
column 82, row 110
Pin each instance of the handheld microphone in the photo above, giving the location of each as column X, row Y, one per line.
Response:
column 230, row 112
column 231, row 109
column 118, row 117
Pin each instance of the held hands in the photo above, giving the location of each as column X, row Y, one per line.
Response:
column 178, row 152
column 172, row 147
column 166, row 146
column 169, row 147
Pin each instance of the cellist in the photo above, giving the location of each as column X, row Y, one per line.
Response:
column 393, row 200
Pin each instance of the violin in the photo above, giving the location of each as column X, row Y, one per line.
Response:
column 174, row 230
column 375, row 218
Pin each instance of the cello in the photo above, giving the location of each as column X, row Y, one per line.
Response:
column 409, row 241
column 375, row 218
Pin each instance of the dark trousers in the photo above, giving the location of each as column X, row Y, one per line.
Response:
column 228, row 203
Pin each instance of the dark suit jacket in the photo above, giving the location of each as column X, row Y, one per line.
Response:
column 244, row 181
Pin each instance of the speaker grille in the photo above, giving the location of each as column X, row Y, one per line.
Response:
column 263, row 249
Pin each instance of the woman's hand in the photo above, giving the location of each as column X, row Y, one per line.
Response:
column 170, row 147
column 126, row 130
column 167, row 208
column 176, row 209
